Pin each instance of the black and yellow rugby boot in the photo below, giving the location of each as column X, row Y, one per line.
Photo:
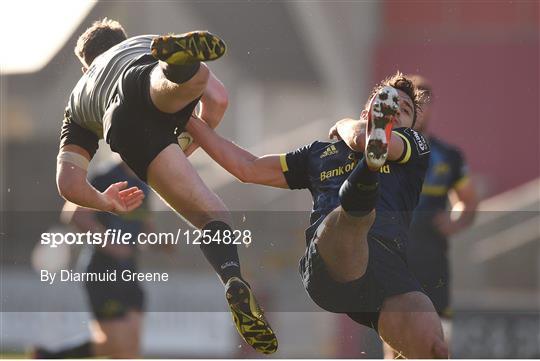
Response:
column 249, row 318
column 188, row 48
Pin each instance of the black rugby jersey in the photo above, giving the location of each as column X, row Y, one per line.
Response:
column 322, row 167
column 94, row 91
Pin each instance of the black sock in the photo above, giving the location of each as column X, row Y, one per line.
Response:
column 223, row 257
column 84, row 350
column 179, row 73
column 359, row 193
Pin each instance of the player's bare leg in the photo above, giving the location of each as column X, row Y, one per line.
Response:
column 170, row 97
column 118, row 338
column 409, row 324
column 181, row 77
column 342, row 237
column 173, row 177
column 176, row 181
column 342, row 243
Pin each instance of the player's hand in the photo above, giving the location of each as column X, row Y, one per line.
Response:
column 352, row 131
column 333, row 133
column 444, row 224
column 118, row 199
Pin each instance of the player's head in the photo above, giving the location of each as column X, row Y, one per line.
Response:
column 98, row 38
column 410, row 99
column 425, row 114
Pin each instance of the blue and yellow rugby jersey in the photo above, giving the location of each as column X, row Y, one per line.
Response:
column 322, row 167
column 427, row 249
column 447, row 170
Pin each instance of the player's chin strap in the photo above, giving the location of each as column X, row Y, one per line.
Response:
column 73, row 158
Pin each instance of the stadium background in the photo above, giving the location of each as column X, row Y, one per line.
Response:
column 292, row 69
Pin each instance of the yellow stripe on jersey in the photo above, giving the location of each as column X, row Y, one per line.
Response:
column 461, row 182
column 432, row 190
column 407, row 145
column 283, row 162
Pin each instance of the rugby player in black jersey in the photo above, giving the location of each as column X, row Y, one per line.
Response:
column 364, row 187
column 138, row 93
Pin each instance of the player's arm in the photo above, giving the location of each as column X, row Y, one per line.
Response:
column 353, row 133
column 77, row 147
column 463, row 198
column 248, row 168
column 212, row 107
column 71, row 180
column 214, row 102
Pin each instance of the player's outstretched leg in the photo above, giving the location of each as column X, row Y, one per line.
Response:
column 181, row 76
column 359, row 192
column 342, row 237
column 382, row 110
column 173, row 177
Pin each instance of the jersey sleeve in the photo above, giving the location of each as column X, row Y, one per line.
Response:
column 416, row 146
column 295, row 167
column 459, row 171
column 73, row 133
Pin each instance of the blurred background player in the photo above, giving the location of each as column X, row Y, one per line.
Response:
column 447, row 187
column 117, row 307
column 354, row 262
column 138, row 93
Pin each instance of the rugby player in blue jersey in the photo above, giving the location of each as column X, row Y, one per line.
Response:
column 117, row 306
column 447, row 183
column 447, row 186
column 365, row 186
column 137, row 94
